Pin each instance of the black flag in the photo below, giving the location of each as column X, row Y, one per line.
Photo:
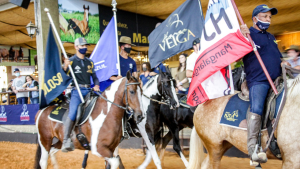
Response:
column 176, row 33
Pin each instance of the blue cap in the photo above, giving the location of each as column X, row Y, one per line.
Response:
column 263, row 8
column 16, row 69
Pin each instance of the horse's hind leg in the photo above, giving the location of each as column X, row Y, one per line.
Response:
column 112, row 163
column 176, row 145
column 116, row 154
column 52, row 153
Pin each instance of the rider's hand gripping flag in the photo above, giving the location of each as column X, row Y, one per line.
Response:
column 54, row 79
column 222, row 43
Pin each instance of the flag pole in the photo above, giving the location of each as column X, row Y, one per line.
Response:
column 114, row 4
column 64, row 52
column 255, row 49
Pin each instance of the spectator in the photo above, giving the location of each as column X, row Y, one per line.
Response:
column 146, row 75
column 293, row 57
column 30, row 85
column 181, row 79
column 10, row 87
column 17, row 86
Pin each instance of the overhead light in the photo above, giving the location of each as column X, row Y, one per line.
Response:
column 31, row 28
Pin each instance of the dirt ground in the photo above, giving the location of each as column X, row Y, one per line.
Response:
column 21, row 156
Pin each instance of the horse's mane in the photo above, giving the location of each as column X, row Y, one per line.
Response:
column 293, row 87
column 150, row 82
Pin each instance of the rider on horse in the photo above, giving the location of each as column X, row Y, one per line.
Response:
column 257, row 81
column 84, row 69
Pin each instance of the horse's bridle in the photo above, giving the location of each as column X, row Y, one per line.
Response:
column 128, row 109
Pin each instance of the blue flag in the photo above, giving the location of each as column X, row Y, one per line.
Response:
column 176, row 33
column 55, row 80
column 105, row 55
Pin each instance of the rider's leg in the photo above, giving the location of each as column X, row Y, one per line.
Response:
column 258, row 94
column 75, row 101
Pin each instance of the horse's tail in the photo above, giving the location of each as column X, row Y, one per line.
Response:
column 37, row 157
column 196, row 151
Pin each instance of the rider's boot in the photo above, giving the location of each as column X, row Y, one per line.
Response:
column 253, row 129
column 67, row 143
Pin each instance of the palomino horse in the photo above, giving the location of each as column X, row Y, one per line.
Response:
column 82, row 26
column 103, row 129
column 217, row 138
column 161, row 85
column 175, row 120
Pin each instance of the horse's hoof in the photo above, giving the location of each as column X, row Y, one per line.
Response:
column 253, row 163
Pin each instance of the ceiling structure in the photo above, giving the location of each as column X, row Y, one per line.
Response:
column 14, row 20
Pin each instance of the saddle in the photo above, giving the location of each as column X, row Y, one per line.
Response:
column 60, row 112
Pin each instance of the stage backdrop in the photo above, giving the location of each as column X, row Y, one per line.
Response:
column 136, row 26
column 18, row 114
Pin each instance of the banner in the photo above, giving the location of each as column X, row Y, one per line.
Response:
column 222, row 43
column 78, row 19
column 18, row 114
column 137, row 27
column 176, row 33
column 105, row 55
column 55, row 80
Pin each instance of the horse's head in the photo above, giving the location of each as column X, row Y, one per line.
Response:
column 166, row 86
column 86, row 12
column 133, row 98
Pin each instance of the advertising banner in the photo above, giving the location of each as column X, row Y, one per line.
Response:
column 18, row 114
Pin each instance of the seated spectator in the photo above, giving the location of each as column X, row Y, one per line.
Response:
column 31, row 85
column 293, row 57
column 147, row 74
column 181, row 79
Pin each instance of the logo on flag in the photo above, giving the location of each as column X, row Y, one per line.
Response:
column 176, row 33
column 222, row 43
column 55, row 80
column 105, row 54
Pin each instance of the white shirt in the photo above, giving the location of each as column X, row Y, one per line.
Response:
column 191, row 60
column 18, row 83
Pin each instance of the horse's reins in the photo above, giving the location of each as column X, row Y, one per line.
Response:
column 284, row 72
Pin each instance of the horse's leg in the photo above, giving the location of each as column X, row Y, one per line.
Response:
column 150, row 146
column 166, row 139
column 112, row 163
column 84, row 162
column 176, row 144
column 146, row 161
column 116, row 154
column 52, row 153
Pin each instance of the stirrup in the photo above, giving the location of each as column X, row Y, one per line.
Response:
column 260, row 157
column 67, row 145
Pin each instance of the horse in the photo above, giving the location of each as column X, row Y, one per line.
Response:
column 103, row 129
column 217, row 139
column 175, row 120
column 4, row 53
column 17, row 54
column 161, row 85
column 82, row 26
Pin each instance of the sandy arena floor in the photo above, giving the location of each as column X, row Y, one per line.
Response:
column 21, row 156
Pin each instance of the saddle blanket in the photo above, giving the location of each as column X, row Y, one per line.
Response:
column 235, row 112
column 183, row 101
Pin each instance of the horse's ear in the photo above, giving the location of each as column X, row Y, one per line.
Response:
column 128, row 75
column 160, row 72
column 83, row 6
column 88, row 7
column 168, row 70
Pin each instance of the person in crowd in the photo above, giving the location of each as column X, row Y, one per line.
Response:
column 17, row 86
column 257, row 81
column 181, row 79
column 10, row 87
column 191, row 60
column 126, row 63
column 146, row 75
column 31, row 85
column 293, row 57
column 83, row 70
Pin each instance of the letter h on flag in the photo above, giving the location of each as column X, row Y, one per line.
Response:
column 54, row 79
column 222, row 43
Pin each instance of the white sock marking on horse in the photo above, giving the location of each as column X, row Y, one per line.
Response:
column 116, row 152
column 114, row 162
column 146, row 161
column 53, row 158
column 44, row 153
column 98, row 122
column 186, row 163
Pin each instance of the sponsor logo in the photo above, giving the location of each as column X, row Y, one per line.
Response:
column 3, row 117
column 78, row 69
column 231, row 116
column 24, row 115
column 89, row 69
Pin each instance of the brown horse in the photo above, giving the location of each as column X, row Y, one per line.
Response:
column 103, row 129
column 17, row 54
column 4, row 53
column 82, row 26
column 217, row 138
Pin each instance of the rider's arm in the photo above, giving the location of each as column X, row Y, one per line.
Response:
column 95, row 79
